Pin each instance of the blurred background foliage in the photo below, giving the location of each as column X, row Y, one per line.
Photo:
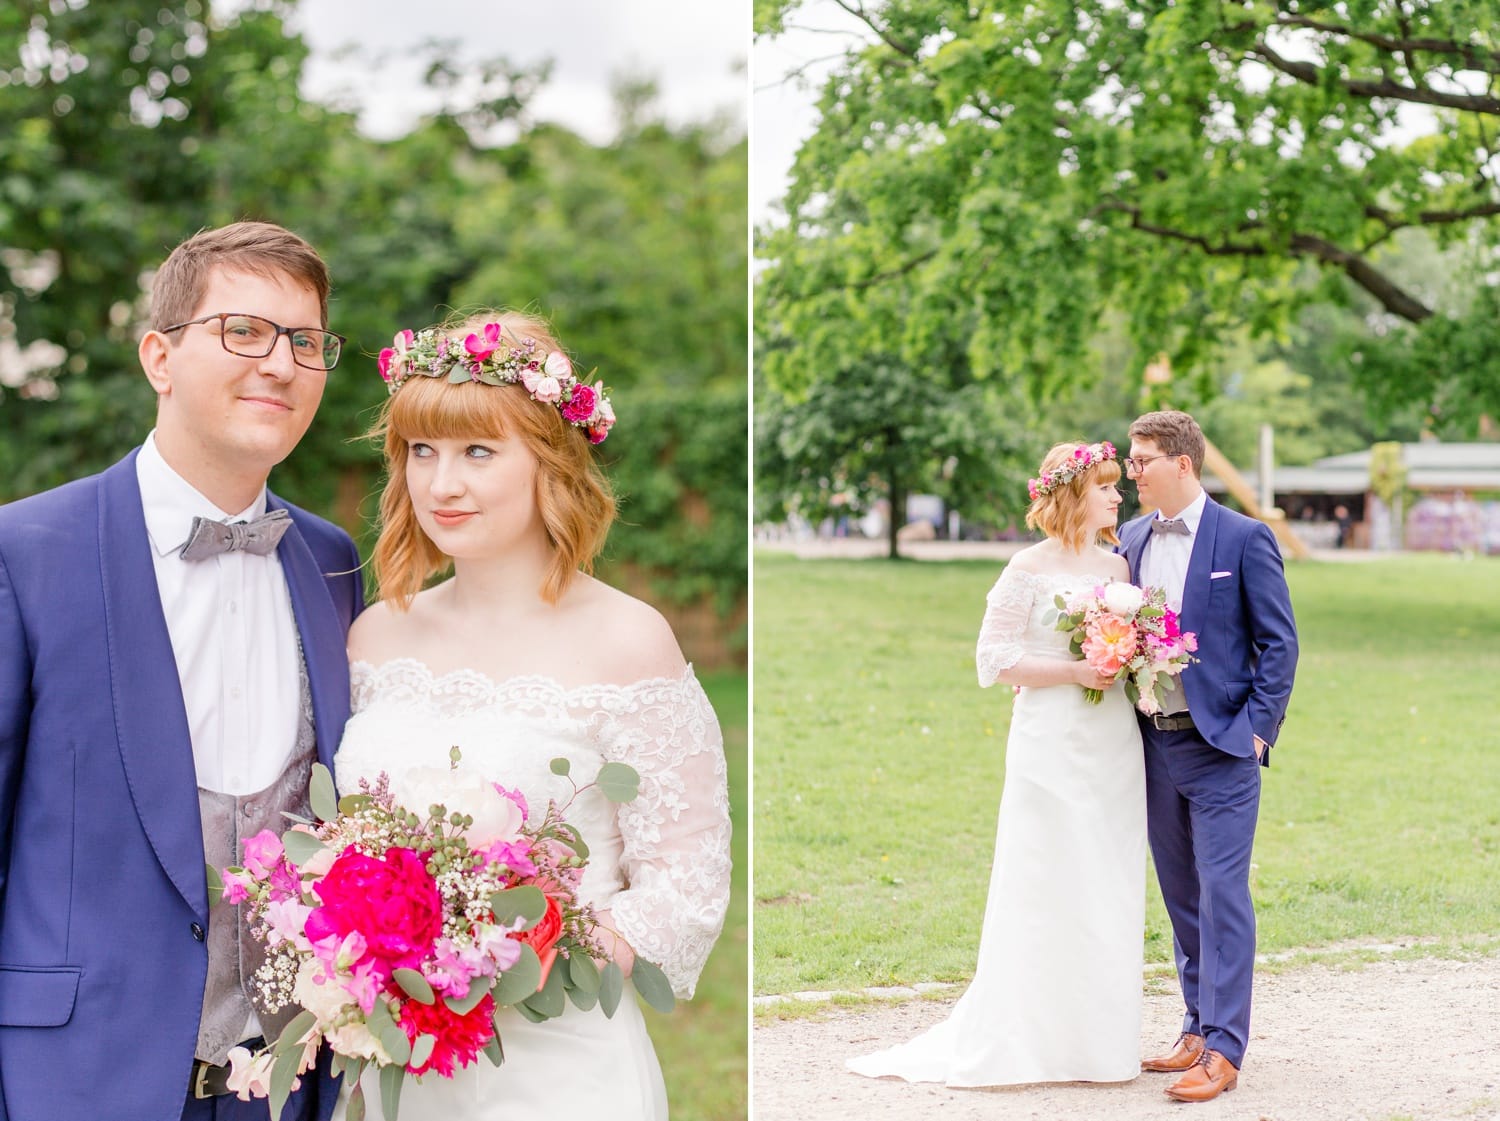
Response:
column 127, row 126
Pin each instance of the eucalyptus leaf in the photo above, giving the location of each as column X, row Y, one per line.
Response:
column 301, row 847
column 320, row 792
column 653, row 985
column 619, row 782
column 421, row 1050
column 520, row 980
column 531, row 1013
column 396, row 1045
column 549, row 1000
column 611, row 988
column 582, row 1000
column 583, row 972
column 391, row 1079
column 458, row 375
column 297, row 819
column 414, row 985
column 215, row 883
column 462, row 1006
column 561, row 766
column 494, row 1051
column 283, row 1074
column 526, row 903
column 355, row 1109
column 353, row 803
column 294, row 1031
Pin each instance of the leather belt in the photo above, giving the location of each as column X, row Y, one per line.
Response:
column 1172, row 722
column 211, row 1080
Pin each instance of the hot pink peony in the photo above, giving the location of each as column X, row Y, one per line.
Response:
column 394, row 903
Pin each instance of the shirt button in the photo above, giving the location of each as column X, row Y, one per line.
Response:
column 197, row 932
column 249, row 809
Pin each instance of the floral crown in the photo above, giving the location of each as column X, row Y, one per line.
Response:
column 492, row 357
column 1083, row 459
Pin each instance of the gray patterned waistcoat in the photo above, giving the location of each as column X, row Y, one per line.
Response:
column 233, row 955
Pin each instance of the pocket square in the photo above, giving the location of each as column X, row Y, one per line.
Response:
column 1219, row 575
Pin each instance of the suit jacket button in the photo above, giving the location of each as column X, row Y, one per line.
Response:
column 197, row 932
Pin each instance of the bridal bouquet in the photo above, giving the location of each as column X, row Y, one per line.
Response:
column 1120, row 628
column 402, row 921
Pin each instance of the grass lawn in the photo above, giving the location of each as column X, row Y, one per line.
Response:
column 879, row 765
column 703, row 1045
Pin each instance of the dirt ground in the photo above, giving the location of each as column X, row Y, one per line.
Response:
column 1389, row 1041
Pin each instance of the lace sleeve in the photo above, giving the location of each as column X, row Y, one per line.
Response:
column 1006, row 616
column 676, row 831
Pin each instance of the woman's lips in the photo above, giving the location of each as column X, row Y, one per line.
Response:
column 452, row 517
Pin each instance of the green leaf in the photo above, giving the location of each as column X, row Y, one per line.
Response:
column 301, row 847
column 560, row 766
column 653, row 985
column 353, row 803
column 583, row 1001
column 325, row 802
column 548, row 1000
column 525, row 902
column 583, row 972
column 215, row 884
column 385, row 1029
column 531, row 1013
column 355, row 1110
column 421, row 1050
column 414, row 985
column 391, row 1080
column 494, row 1051
column 618, row 782
column 463, row 1005
column 520, row 980
column 611, row 988
column 294, row 1031
column 458, row 375
column 283, row 1074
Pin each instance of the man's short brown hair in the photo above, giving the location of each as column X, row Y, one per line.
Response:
column 1175, row 433
column 259, row 248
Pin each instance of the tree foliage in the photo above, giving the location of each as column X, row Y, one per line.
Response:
column 125, row 127
column 1016, row 170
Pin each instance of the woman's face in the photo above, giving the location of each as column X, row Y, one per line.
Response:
column 475, row 498
column 1102, row 506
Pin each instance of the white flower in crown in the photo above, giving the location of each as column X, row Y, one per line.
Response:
column 491, row 356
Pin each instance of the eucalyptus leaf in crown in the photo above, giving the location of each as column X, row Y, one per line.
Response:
column 492, row 357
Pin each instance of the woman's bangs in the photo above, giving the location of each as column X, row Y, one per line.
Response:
column 438, row 410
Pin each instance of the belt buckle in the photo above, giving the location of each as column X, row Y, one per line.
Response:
column 200, row 1080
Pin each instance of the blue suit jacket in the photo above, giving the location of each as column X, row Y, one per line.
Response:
column 1247, row 637
column 102, row 891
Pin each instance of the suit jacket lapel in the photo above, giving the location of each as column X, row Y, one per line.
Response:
column 322, row 637
column 1200, row 566
column 1135, row 546
column 150, row 718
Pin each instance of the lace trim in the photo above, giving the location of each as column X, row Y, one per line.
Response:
column 1008, row 615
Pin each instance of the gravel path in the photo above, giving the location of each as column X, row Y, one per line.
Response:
column 1391, row 1041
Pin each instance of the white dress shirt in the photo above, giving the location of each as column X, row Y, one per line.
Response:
column 233, row 636
column 1164, row 564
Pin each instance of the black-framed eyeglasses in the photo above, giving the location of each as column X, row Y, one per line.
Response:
column 252, row 336
column 1140, row 463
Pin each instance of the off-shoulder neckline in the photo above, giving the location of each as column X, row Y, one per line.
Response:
column 525, row 680
column 1044, row 576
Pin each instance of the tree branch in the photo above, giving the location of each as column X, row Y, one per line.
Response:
column 892, row 274
column 858, row 12
column 1474, row 58
column 1311, row 75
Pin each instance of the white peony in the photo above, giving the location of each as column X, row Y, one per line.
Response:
column 1123, row 599
column 324, row 1001
column 496, row 817
column 357, row 1040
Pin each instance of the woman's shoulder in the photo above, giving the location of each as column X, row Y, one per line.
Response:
column 385, row 629
column 1113, row 563
column 628, row 639
column 1031, row 559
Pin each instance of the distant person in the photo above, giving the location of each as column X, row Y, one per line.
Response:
column 1346, row 526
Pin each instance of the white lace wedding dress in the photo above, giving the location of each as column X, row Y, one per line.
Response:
column 1056, row 995
column 660, row 863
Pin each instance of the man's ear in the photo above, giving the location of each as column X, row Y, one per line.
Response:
column 154, row 352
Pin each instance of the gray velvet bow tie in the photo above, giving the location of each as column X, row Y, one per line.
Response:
column 259, row 536
column 1170, row 525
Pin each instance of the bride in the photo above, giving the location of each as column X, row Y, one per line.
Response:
column 1056, row 995
column 520, row 658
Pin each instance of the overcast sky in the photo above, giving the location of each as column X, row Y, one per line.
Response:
column 695, row 50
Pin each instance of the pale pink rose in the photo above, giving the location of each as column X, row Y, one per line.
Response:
column 548, row 390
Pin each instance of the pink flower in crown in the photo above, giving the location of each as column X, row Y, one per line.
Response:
column 1031, row 488
column 531, row 377
column 395, row 354
column 263, row 853
column 548, row 391
column 483, row 348
column 581, row 405
column 597, row 433
column 1081, row 454
column 1109, row 449
column 558, row 366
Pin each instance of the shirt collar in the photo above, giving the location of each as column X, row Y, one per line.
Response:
column 171, row 502
column 1191, row 514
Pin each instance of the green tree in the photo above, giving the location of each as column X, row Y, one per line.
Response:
column 1022, row 168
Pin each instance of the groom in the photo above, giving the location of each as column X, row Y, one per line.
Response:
column 166, row 682
column 1205, row 750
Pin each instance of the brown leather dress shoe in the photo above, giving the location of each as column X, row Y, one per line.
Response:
column 1209, row 1077
column 1182, row 1055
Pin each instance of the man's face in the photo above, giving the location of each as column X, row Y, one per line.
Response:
column 223, row 414
column 1163, row 481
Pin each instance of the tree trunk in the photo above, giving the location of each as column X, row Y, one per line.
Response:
column 898, row 512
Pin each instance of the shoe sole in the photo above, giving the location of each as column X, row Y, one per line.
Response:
column 1191, row 1100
